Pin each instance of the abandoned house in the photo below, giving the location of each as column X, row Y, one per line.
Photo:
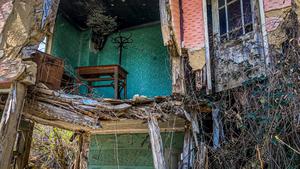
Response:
column 140, row 82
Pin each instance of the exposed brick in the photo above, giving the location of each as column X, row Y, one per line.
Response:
column 193, row 23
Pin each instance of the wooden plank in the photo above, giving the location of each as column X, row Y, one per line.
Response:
column 178, row 79
column 164, row 22
column 207, row 50
column 116, row 84
column 24, row 143
column 202, row 156
column 156, row 144
column 84, row 142
column 59, row 117
column 138, row 126
column 187, row 146
column 10, row 122
column 262, row 18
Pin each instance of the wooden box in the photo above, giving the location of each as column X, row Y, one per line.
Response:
column 50, row 69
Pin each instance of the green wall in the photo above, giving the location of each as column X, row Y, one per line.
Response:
column 67, row 43
column 131, row 151
column 146, row 59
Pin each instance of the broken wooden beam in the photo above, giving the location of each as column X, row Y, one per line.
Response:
column 23, row 143
column 186, row 157
column 85, row 139
column 156, row 144
column 48, row 114
column 73, row 112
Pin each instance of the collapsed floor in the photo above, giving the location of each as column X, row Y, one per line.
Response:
column 254, row 126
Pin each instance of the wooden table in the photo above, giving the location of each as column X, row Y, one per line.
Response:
column 114, row 73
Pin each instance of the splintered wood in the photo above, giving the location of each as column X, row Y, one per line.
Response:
column 156, row 143
column 75, row 112
column 10, row 123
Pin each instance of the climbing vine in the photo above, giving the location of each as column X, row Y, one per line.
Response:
column 261, row 119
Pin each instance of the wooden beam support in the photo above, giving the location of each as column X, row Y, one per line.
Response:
column 164, row 22
column 84, row 143
column 24, row 144
column 49, row 114
column 186, row 157
column 123, row 126
column 10, row 123
column 156, row 144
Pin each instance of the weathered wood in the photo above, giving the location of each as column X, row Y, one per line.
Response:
column 56, row 116
column 195, row 128
column 84, row 143
column 187, row 146
column 10, row 122
column 24, row 144
column 202, row 158
column 207, row 50
column 178, row 80
column 164, row 22
column 156, row 144
column 130, row 126
column 75, row 112
column 218, row 132
column 264, row 32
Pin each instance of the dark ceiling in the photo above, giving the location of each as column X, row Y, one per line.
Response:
column 129, row 13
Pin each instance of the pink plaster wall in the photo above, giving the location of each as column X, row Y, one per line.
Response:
column 193, row 24
column 276, row 4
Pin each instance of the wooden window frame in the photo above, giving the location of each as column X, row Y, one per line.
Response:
column 216, row 18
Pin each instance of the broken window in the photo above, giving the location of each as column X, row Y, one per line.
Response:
column 235, row 18
column 43, row 45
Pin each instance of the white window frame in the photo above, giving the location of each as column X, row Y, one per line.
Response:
column 216, row 19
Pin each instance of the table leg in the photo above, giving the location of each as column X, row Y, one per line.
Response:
column 125, row 88
column 90, row 89
column 116, row 84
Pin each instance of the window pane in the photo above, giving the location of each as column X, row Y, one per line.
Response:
column 42, row 45
column 248, row 28
column 234, row 15
column 247, row 11
column 221, row 3
column 222, row 21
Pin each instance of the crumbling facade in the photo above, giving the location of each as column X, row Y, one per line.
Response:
column 214, row 47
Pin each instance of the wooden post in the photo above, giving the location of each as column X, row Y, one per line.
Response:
column 202, row 156
column 24, row 144
column 187, row 146
column 116, row 83
column 156, row 144
column 178, row 82
column 207, row 50
column 164, row 22
column 84, row 146
column 10, row 123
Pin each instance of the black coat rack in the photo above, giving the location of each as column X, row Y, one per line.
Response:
column 121, row 42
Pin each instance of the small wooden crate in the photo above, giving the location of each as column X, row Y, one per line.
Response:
column 50, row 69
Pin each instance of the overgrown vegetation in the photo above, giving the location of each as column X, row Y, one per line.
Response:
column 261, row 119
column 53, row 148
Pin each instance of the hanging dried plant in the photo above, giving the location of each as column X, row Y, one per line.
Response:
column 99, row 22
